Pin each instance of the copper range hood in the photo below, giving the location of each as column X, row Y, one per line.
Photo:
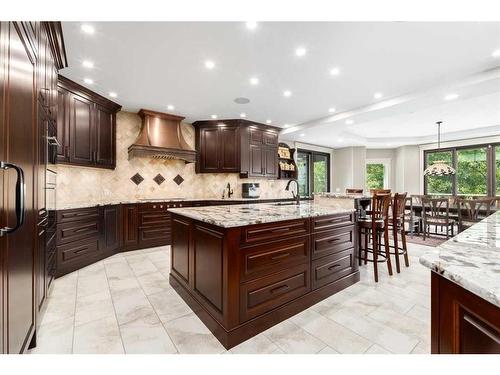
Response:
column 161, row 138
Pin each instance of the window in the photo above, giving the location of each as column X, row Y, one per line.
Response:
column 478, row 171
column 313, row 172
column 374, row 176
column 442, row 185
column 472, row 171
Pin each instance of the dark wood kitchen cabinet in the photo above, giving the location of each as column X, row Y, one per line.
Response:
column 86, row 126
column 30, row 54
column 240, row 146
column 111, row 233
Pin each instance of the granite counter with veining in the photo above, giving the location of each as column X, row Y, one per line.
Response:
column 471, row 259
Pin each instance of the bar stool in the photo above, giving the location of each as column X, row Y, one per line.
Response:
column 397, row 223
column 376, row 225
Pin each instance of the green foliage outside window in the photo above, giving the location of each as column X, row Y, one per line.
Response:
column 439, row 184
column 303, row 174
column 320, row 176
column 374, row 176
column 472, row 172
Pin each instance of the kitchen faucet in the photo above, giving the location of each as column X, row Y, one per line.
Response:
column 295, row 196
column 229, row 190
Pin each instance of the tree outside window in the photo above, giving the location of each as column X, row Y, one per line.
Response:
column 375, row 176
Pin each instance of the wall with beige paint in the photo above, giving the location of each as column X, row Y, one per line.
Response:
column 79, row 185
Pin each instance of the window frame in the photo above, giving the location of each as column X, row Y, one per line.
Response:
column 490, row 166
column 310, row 159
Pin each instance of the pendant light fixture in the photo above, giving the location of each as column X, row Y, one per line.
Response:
column 439, row 167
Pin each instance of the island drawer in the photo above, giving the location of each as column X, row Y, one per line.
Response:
column 75, row 255
column 333, row 221
column 266, row 293
column 332, row 241
column 274, row 231
column 265, row 259
column 332, row 268
column 154, row 218
column 78, row 214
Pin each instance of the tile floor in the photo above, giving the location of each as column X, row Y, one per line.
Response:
column 124, row 304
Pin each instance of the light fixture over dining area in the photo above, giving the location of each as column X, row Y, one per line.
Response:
column 439, row 167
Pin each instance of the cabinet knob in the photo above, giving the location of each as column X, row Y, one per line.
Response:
column 154, row 205
column 161, row 206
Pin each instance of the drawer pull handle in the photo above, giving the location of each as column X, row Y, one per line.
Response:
column 280, row 230
column 280, row 256
column 334, row 266
column 81, row 230
column 278, row 288
column 81, row 250
column 333, row 240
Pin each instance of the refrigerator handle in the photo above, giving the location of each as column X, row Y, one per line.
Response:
column 20, row 197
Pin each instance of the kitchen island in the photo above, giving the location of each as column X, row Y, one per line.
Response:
column 465, row 290
column 245, row 268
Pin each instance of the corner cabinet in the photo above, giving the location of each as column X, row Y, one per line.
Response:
column 86, row 127
column 239, row 146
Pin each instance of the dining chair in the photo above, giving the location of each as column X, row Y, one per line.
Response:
column 411, row 217
column 436, row 212
column 380, row 191
column 472, row 211
column 353, row 191
column 397, row 224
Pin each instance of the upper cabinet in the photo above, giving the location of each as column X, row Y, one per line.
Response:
column 86, row 126
column 240, row 146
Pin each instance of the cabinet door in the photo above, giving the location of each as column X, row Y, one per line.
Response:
column 130, row 226
column 271, row 162
column 209, row 150
column 229, row 149
column 110, row 237
column 271, row 138
column 81, row 130
column 63, row 125
column 256, row 161
column 104, row 136
column 256, row 136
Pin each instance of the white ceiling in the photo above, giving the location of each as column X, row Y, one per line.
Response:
column 151, row 65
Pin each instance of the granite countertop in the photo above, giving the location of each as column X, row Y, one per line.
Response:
column 471, row 259
column 341, row 195
column 74, row 205
column 246, row 214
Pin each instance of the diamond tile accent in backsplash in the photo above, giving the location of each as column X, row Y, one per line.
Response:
column 178, row 179
column 159, row 179
column 76, row 185
column 137, row 178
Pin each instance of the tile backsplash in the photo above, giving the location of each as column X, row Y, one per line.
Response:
column 84, row 185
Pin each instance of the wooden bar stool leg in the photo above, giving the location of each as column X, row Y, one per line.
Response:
column 405, row 249
column 360, row 247
column 387, row 250
column 375, row 251
column 367, row 236
column 396, row 246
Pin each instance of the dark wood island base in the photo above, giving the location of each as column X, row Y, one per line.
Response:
column 241, row 281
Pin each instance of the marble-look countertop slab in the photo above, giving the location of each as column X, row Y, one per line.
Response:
column 471, row 259
column 341, row 195
column 74, row 205
column 248, row 214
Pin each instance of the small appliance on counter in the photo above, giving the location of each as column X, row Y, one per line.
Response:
column 250, row 190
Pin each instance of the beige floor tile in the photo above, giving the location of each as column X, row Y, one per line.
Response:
column 119, row 269
column 168, row 305
column 131, row 305
column 55, row 338
column 294, row 340
column 422, row 348
column 154, row 283
column 190, row 335
column 328, row 350
column 59, row 308
column 120, row 284
column 98, row 337
column 259, row 344
column 146, row 339
column 142, row 267
column 93, row 307
column 335, row 335
column 420, row 313
column 95, row 269
column 376, row 349
column 91, row 284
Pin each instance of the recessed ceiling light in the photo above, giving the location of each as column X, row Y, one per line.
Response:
column 88, row 64
column 451, row 97
column 334, row 71
column 88, row 81
column 268, row 121
column 301, row 51
column 113, row 94
column 340, row 140
column 254, row 81
column 209, row 64
column 331, row 110
column 377, row 95
column 496, row 53
column 287, row 93
column 170, row 107
column 214, row 116
column 349, row 122
column 243, row 115
column 88, row 29
column 302, row 134
column 251, row 25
